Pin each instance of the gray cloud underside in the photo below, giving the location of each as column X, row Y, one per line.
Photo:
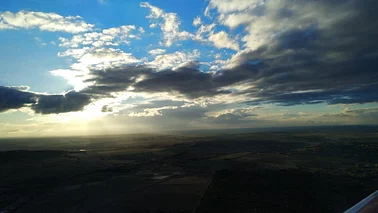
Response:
column 11, row 98
column 69, row 102
column 335, row 64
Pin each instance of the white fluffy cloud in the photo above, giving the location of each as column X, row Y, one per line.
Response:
column 99, row 57
column 43, row 21
column 197, row 21
column 265, row 21
column 155, row 11
column 205, row 33
column 227, row 6
column 156, row 51
column 222, row 40
column 175, row 59
column 204, row 30
column 92, row 50
column 170, row 25
column 76, row 78
column 107, row 55
column 236, row 19
column 107, row 37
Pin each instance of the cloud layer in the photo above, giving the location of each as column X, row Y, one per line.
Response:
column 13, row 98
column 43, row 21
column 264, row 52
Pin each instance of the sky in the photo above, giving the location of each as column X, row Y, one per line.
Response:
column 83, row 67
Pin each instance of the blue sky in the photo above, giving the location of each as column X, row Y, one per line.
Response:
column 117, row 66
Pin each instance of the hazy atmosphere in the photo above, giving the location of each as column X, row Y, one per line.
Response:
column 111, row 66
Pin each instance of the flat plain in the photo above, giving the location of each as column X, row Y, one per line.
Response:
column 288, row 171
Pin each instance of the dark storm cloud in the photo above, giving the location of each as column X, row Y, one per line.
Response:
column 115, row 79
column 358, row 94
column 11, row 98
column 190, row 82
column 187, row 81
column 338, row 61
column 69, row 102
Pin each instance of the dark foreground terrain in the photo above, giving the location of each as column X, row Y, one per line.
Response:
column 292, row 171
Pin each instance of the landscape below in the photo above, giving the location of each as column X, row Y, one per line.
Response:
column 313, row 170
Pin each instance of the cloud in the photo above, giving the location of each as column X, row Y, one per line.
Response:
column 107, row 81
column 244, row 112
column 170, row 25
column 222, row 40
column 292, row 70
column 149, row 112
column 265, row 85
column 95, row 50
column 155, row 11
column 172, row 60
column 21, row 88
column 156, row 51
column 107, row 37
column 91, row 58
column 185, row 81
column 189, row 82
column 70, row 102
column 233, row 119
column 43, row 21
column 170, row 118
column 94, row 58
column 346, row 95
column 312, row 52
column 107, row 55
column 228, row 6
column 106, row 108
column 233, row 116
column 11, row 98
column 295, row 52
column 363, row 115
column 39, row 40
column 351, row 116
column 236, row 19
column 157, row 104
column 204, row 29
column 206, row 34
column 197, row 21
column 299, row 58
column 153, row 25
column 74, row 77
